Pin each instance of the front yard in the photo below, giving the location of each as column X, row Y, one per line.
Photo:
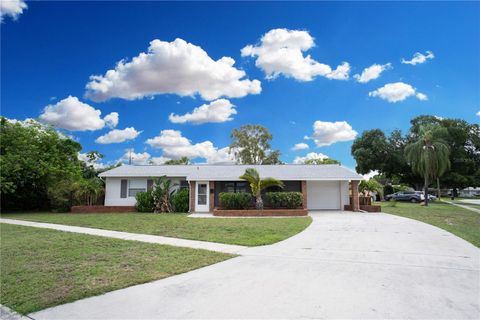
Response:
column 240, row 231
column 461, row 222
column 42, row 268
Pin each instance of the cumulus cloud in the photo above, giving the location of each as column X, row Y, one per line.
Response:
column 216, row 111
column 91, row 162
column 326, row 133
column 176, row 67
column 300, row 146
column 111, row 119
column 370, row 174
column 12, row 8
column 398, row 91
column 419, row 58
column 118, row 136
column 372, row 72
column 175, row 146
column 478, row 114
column 281, row 51
column 72, row 114
column 309, row 156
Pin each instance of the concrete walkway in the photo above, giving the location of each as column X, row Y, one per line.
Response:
column 195, row 244
column 345, row 265
column 466, row 206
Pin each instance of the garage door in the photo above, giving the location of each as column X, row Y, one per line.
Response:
column 323, row 195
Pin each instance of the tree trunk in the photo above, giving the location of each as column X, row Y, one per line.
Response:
column 259, row 203
column 426, row 191
column 439, row 195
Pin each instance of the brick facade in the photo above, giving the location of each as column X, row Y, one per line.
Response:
column 192, row 196
column 304, row 192
column 211, row 192
column 355, row 201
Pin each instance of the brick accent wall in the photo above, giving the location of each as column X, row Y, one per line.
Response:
column 192, row 196
column 355, row 201
column 305, row 195
column 211, row 192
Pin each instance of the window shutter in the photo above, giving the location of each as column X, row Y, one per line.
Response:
column 123, row 188
column 149, row 184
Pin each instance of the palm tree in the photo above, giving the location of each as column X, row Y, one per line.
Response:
column 429, row 155
column 368, row 187
column 257, row 185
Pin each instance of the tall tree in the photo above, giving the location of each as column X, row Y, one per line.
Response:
column 251, row 145
column 258, row 184
column 429, row 155
column 182, row 160
column 39, row 166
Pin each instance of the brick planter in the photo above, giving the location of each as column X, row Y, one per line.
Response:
column 102, row 209
column 364, row 207
column 260, row 213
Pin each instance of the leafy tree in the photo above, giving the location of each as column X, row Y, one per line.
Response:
column 321, row 161
column 182, row 160
column 251, row 145
column 368, row 187
column 429, row 155
column 257, row 185
column 39, row 166
column 163, row 189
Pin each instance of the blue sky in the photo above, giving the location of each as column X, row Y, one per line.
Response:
column 51, row 49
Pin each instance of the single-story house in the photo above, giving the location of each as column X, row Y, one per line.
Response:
column 324, row 187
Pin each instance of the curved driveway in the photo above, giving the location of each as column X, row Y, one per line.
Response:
column 345, row 265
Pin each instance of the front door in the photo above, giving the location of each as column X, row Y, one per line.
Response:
column 202, row 198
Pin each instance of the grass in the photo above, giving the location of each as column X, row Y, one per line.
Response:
column 461, row 222
column 42, row 268
column 241, row 231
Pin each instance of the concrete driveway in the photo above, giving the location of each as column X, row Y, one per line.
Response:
column 345, row 265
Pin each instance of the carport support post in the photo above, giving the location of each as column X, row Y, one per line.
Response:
column 304, row 193
column 355, row 199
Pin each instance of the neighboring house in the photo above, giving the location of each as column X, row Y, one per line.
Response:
column 325, row 187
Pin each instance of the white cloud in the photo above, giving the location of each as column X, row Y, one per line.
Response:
column 280, row 51
column 419, row 58
column 111, row 119
column 326, row 133
column 300, row 146
column 398, row 91
column 216, row 111
column 118, row 136
column 12, row 8
column 372, row 72
column 309, row 156
column 72, row 114
column 94, row 163
column 369, row 175
column 176, row 67
column 478, row 114
column 175, row 146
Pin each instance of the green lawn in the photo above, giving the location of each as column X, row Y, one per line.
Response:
column 241, row 231
column 41, row 268
column 459, row 221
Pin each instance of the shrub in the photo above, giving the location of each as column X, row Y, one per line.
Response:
column 180, row 200
column 144, row 202
column 231, row 200
column 289, row 200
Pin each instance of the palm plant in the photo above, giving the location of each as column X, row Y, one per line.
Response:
column 428, row 156
column 368, row 187
column 257, row 185
column 162, row 191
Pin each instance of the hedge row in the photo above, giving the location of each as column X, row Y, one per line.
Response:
column 289, row 200
column 232, row 200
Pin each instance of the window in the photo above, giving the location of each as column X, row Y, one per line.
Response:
column 183, row 184
column 136, row 186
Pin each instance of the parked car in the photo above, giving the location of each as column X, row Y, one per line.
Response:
column 431, row 197
column 412, row 196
